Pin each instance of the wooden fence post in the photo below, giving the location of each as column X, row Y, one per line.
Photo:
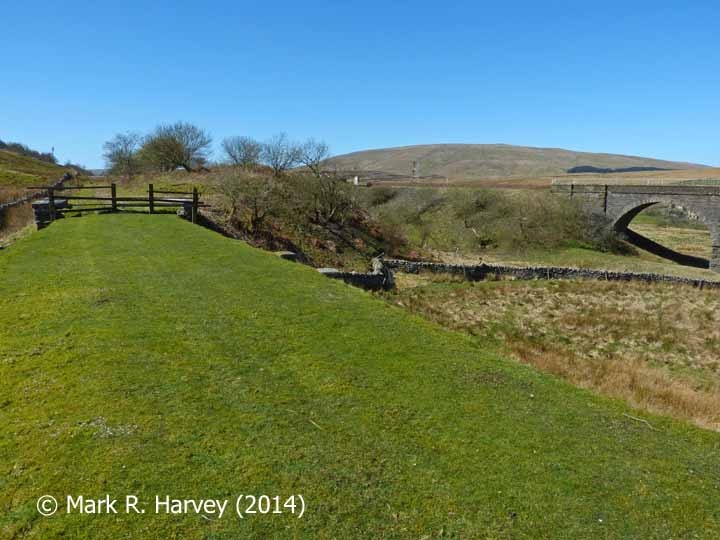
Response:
column 195, row 205
column 113, row 195
column 151, row 198
column 51, row 203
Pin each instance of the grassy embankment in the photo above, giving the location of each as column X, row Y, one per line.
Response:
column 143, row 355
column 16, row 173
column 21, row 171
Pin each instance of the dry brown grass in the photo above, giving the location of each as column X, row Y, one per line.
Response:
column 15, row 222
column 10, row 193
column 657, row 347
column 691, row 241
column 644, row 177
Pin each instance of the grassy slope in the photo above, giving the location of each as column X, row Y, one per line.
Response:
column 17, row 170
column 143, row 355
column 449, row 240
column 488, row 160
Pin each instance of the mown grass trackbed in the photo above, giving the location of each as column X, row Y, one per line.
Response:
column 143, row 355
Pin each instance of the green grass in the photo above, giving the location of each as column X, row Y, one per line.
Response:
column 16, row 170
column 143, row 355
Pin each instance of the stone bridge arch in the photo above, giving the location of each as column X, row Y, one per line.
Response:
column 621, row 204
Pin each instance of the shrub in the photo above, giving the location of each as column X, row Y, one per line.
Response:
column 249, row 198
column 379, row 195
column 481, row 219
column 322, row 200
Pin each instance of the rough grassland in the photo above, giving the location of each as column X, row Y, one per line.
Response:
column 140, row 354
column 16, row 170
column 656, row 346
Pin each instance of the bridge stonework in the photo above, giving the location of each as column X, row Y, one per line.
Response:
column 621, row 204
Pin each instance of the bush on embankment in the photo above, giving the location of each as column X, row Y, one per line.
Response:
column 487, row 219
column 321, row 218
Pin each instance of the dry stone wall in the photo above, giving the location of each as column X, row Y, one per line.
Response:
column 497, row 271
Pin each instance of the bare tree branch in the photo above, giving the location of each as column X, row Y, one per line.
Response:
column 280, row 154
column 121, row 154
column 243, row 151
column 313, row 154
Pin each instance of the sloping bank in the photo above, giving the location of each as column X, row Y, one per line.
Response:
column 142, row 355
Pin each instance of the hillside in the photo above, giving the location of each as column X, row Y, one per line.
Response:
column 20, row 171
column 142, row 355
column 465, row 161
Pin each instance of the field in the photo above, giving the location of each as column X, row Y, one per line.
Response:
column 690, row 237
column 657, row 347
column 143, row 355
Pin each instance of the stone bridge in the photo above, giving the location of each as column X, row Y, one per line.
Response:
column 621, row 204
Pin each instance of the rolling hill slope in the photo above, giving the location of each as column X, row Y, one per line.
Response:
column 461, row 161
column 20, row 171
column 142, row 355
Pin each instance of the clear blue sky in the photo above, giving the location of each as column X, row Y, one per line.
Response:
column 626, row 77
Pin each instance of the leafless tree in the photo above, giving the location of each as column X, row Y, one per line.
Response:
column 280, row 154
column 313, row 154
column 177, row 145
column 121, row 154
column 243, row 151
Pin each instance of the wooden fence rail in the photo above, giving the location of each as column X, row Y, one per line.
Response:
column 59, row 202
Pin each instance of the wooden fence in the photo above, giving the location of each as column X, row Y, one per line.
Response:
column 60, row 200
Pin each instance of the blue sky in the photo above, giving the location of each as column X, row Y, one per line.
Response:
column 628, row 77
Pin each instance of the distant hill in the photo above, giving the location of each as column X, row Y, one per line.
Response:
column 489, row 161
column 585, row 169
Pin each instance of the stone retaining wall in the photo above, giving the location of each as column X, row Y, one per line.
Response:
column 381, row 278
column 484, row 271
